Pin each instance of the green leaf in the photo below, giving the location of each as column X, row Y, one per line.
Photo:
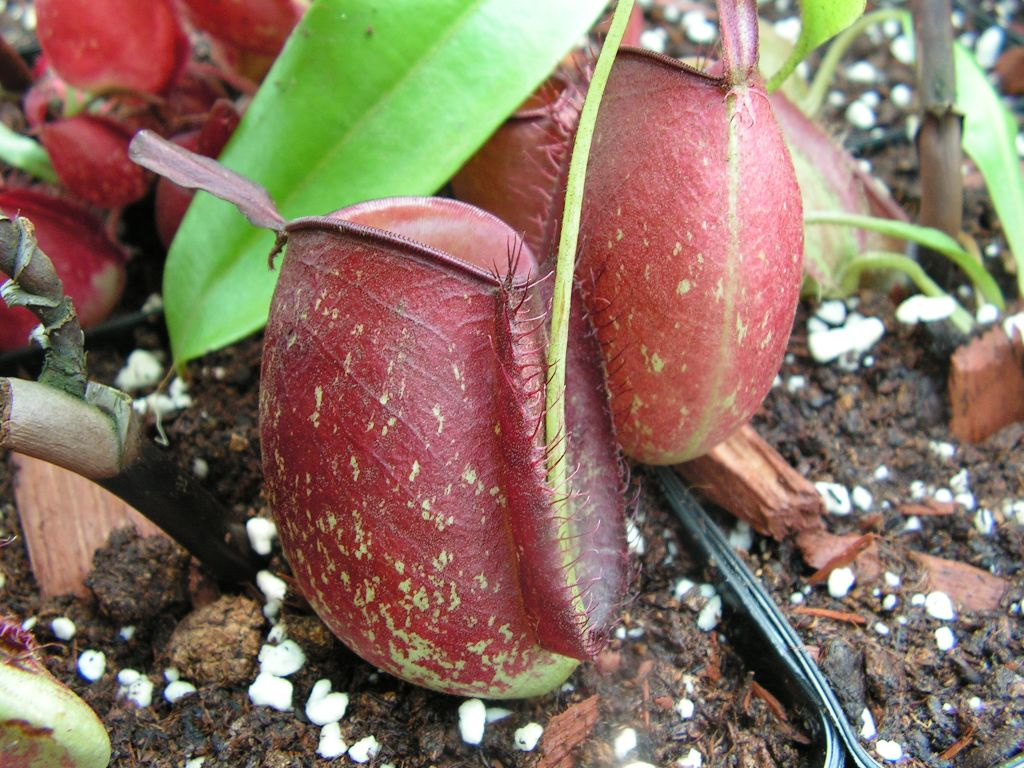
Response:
column 930, row 238
column 25, row 154
column 989, row 139
column 820, row 20
column 370, row 98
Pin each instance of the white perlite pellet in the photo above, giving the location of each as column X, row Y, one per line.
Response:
column 925, row 309
column 741, row 537
column 833, row 312
column 331, row 744
column 984, row 522
column 835, row 496
column 797, row 598
column 272, row 586
column 889, row 603
column 624, row 743
column 142, row 370
column 863, row 72
column 634, row 539
column 868, row 731
column 889, row 751
column 881, row 629
column 861, row 498
column 939, row 606
column 857, row 336
column 685, row 708
column 92, row 664
column 322, row 706
column 262, row 533
column 892, row 580
column 901, row 95
column 364, row 750
column 134, row 687
column 692, row 759
column 710, row 614
column 945, row 639
column 681, row 588
column 840, row 581
column 271, row 691
column 988, row 46
column 177, row 690
column 860, row 115
column 527, row 737
column 63, row 628
column 472, row 720
column 698, row 27
column 281, row 660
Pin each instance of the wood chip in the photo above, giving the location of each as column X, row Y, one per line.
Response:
column 828, row 613
column 565, row 732
column 747, row 477
column 969, row 587
column 65, row 519
column 844, row 557
column 986, row 385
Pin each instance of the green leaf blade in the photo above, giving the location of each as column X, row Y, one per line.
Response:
column 820, row 21
column 367, row 100
column 989, row 139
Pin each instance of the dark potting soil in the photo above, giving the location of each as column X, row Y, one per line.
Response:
column 682, row 690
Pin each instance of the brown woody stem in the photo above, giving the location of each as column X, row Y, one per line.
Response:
column 92, row 429
column 34, row 285
column 939, row 137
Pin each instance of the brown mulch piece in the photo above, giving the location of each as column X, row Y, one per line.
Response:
column 828, row 613
column 566, row 731
column 65, row 518
column 969, row 586
column 845, row 557
column 747, row 477
column 986, row 385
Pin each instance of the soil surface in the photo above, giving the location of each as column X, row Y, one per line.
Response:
column 679, row 693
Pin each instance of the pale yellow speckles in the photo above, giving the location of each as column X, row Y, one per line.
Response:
column 684, row 287
column 346, row 364
column 400, row 567
column 677, row 248
column 332, row 521
column 415, row 472
column 505, row 631
column 318, row 395
column 383, row 399
column 454, row 601
column 405, row 586
column 345, row 578
column 442, row 560
column 766, row 340
column 719, row 293
column 618, row 235
column 479, row 648
column 657, row 364
column 436, row 410
column 469, row 476
column 426, row 504
column 618, row 210
column 357, row 329
column 420, row 599
column 481, row 580
column 353, row 462
column 741, row 329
